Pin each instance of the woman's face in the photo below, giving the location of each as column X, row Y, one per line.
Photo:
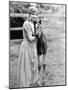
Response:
column 34, row 17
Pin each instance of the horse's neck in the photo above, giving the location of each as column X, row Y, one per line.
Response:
column 41, row 35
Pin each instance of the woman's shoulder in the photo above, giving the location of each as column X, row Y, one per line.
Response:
column 27, row 26
column 26, row 23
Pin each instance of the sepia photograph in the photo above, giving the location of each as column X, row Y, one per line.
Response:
column 37, row 44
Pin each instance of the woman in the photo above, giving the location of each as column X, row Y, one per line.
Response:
column 28, row 61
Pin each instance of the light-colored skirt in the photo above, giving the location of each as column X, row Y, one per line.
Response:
column 27, row 72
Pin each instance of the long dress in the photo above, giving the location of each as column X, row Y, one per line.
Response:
column 28, row 60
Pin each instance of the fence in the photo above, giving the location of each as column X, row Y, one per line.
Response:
column 25, row 15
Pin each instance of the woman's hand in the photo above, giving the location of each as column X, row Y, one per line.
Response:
column 36, row 35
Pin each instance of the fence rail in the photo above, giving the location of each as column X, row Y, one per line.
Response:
column 40, row 15
column 18, row 15
column 16, row 28
column 48, row 38
column 23, row 15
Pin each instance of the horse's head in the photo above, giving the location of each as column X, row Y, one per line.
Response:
column 38, row 31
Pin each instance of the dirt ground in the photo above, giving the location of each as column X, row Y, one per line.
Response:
column 54, row 29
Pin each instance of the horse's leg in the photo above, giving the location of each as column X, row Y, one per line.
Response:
column 39, row 70
column 39, row 66
column 44, row 63
column 44, row 66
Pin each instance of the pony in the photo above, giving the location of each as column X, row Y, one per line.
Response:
column 41, row 47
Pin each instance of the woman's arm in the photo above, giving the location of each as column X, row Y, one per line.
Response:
column 31, row 37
